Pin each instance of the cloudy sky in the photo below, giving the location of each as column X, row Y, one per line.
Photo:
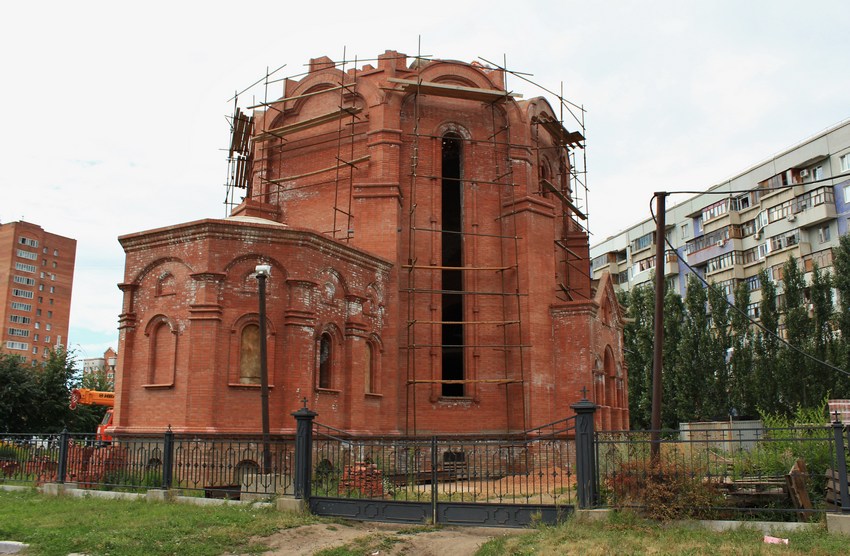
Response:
column 114, row 112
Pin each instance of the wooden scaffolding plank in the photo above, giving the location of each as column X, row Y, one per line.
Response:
column 559, row 132
column 438, row 267
column 452, row 91
column 280, row 132
column 342, row 164
column 467, row 381
column 557, row 192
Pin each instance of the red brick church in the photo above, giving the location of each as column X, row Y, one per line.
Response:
column 429, row 268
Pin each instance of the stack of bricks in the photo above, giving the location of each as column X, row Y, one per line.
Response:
column 365, row 478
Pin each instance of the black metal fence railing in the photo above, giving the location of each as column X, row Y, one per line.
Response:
column 504, row 471
column 774, row 473
column 724, row 472
column 214, row 467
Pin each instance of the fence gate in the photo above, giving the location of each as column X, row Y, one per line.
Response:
column 509, row 482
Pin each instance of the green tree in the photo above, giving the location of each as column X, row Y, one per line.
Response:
column 719, row 402
column 674, row 314
column 638, row 344
column 841, row 282
column 36, row 399
column 797, row 375
column 695, row 376
column 742, row 384
column 766, row 350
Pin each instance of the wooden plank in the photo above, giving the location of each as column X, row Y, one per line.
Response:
column 452, row 91
column 550, row 187
column 280, row 132
column 796, row 480
column 322, row 170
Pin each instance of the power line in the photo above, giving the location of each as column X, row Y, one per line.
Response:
column 732, row 305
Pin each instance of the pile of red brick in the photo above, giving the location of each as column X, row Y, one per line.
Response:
column 365, row 478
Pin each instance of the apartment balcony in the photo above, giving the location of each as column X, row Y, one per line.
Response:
column 813, row 215
column 697, row 258
column 671, row 264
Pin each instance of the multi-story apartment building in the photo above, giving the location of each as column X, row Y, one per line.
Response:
column 102, row 364
column 36, row 276
column 796, row 203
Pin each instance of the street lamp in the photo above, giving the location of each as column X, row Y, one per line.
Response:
column 263, row 271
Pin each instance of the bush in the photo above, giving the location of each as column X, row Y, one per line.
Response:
column 664, row 490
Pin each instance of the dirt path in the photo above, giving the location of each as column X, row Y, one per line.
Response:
column 383, row 539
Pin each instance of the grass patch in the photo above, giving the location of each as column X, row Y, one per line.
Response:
column 59, row 525
column 626, row 534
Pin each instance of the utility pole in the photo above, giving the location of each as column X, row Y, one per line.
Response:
column 263, row 271
column 657, row 348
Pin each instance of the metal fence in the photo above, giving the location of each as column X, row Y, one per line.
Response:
column 775, row 473
column 214, row 467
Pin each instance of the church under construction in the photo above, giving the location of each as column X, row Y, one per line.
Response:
column 426, row 230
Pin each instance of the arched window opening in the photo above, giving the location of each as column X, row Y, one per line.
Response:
column 325, row 360
column 249, row 355
column 452, row 256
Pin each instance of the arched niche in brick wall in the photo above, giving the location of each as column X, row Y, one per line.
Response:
column 238, row 375
column 329, row 359
column 162, row 335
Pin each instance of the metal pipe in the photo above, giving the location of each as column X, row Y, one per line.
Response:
column 263, row 272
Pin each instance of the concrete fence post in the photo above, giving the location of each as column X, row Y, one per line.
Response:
column 303, row 452
column 841, row 464
column 586, row 470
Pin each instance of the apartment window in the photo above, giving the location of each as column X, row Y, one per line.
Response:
column 53, row 277
column 845, row 163
column 754, row 311
column 817, row 173
column 44, row 250
column 35, row 350
column 643, row 241
column 685, row 230
column 55, row 252
column 38, row 312
column 823, row 234
column 19, row 319
column 23, row 333
column 41, row 287
column 54, row 264
column 35, row 337
column 47, row 327
column 52, row 289
column 23, row 280
column 599, row 262
column 50, row 314
column 37, row 325
column 28, row 242
column 23, row 267
column 43, row 262
column 714, row 210
column 753, row 283
column 51, row 300
column 847, row 194
column 21, row 346
column 40, row 299
column 47, row 339
column 22, row 293
column 21, row 306
column 27, row 255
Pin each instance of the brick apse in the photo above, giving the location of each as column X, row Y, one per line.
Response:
column 430, row 268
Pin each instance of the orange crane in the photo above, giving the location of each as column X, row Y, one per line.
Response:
column 85, row 396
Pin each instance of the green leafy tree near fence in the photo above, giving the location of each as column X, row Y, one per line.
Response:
column 36, row 399
column 716, row 359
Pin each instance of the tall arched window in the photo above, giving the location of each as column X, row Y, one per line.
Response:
column 452, row 256
column 325, row 360
column 249, row 355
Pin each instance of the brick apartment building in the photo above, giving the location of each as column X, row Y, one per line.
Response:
column 36, row 278
column 429, row 268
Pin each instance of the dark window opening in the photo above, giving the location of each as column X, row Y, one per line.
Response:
column 452, row 256
column 325, row 361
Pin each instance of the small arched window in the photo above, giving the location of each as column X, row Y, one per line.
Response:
column 249, row 355
column 325, row 360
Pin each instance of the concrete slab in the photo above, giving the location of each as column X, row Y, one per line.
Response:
column 838, row 523
column 12, row 547
column 290, row 504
